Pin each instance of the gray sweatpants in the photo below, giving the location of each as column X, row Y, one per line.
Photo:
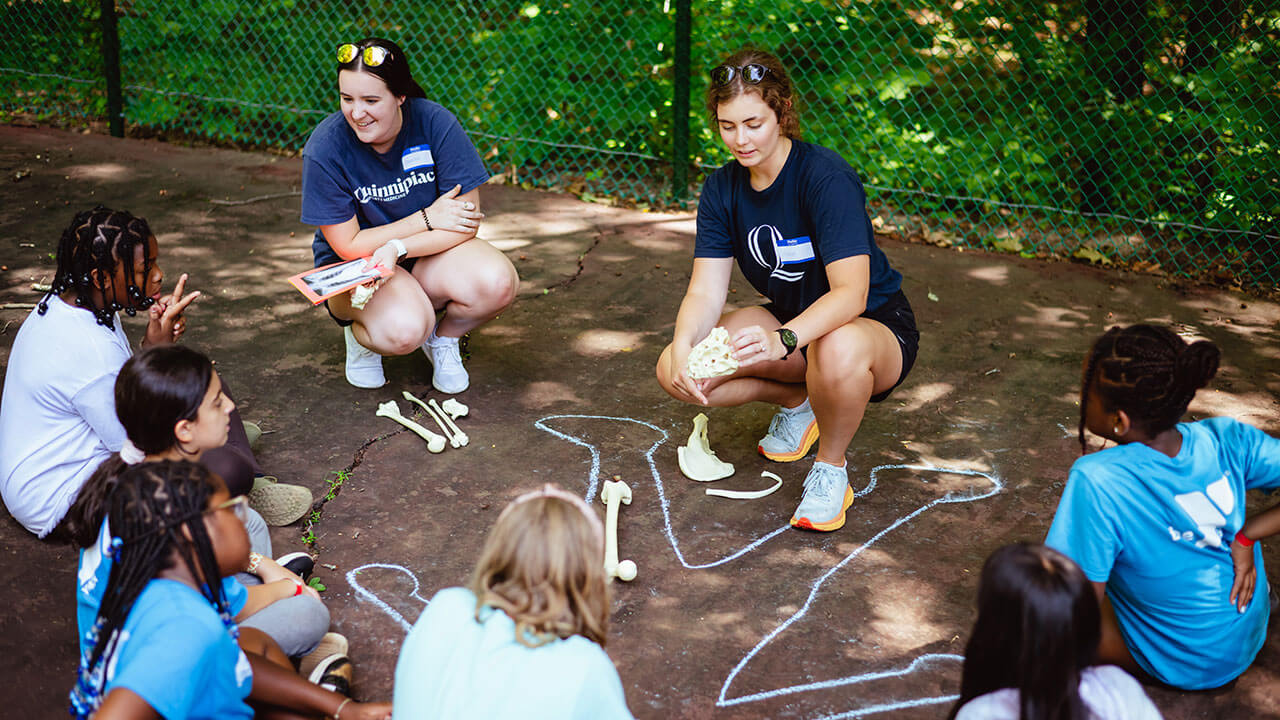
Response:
column 297, row 623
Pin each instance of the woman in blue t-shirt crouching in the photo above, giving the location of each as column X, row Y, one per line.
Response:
column 793, row 215
column 394, row 178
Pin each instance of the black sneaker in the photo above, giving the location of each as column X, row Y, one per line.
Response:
column 298, row 563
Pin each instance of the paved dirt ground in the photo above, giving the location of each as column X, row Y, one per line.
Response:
column 732, row 615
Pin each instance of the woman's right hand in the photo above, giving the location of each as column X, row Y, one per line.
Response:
column 449, row 213
column 386, row 257
column 679, row 375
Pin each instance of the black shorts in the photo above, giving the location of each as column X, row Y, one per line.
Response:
column 895, row 314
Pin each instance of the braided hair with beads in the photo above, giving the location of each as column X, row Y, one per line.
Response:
column 1148, row 372
column 152, row 511
column 98, row 239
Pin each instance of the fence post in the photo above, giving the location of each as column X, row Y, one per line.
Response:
column 111, row 66
column 680, row 103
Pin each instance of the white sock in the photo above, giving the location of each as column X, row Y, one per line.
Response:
column 434, row 339
column 841, row 466
column 802, row 407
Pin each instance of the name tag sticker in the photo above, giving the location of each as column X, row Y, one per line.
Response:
column 418, row 156
column 793, row 251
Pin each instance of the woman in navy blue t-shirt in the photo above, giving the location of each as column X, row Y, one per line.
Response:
column 393, row 178
column 793, row 216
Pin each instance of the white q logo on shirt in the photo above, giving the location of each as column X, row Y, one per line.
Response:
column 785, row 252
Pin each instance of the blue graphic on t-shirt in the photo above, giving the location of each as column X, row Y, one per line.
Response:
column 763, row 236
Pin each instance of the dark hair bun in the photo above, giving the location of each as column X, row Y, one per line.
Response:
column 1196, row 364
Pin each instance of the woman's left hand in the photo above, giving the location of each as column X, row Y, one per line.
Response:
column 753, row 344
column 450, row 213
column 1245, row 576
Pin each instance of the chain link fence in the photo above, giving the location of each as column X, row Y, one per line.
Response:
column 1135, row 132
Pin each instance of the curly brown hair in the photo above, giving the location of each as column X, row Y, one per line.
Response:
column 774, row 88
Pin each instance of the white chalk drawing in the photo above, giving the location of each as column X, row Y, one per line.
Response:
column 724, row 700
column 367, row 596
column 924, row 661
column 593, row 484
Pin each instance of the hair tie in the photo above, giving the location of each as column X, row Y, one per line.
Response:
column 130, row 453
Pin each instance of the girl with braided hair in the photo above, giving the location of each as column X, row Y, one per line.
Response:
column 57, row 417
column 56, row 422
column 171, row 403
column 1158, row 522
column 164, row 643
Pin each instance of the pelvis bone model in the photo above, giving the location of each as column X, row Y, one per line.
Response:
column 697, row 460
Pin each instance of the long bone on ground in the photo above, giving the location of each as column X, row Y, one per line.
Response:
column 389, row 409
column 613, row 493
column 459, row 438
column 453, row 438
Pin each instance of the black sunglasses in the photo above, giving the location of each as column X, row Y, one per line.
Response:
column 751, row 74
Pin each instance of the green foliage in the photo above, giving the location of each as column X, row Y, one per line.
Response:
column 989, row 115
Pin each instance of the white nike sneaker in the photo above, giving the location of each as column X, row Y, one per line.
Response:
column 364, row 366
column 447, row 373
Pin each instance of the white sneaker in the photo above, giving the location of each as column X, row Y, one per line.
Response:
column 364, row 366
column 448, row 375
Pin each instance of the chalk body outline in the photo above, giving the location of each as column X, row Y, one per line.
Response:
column 723, row 700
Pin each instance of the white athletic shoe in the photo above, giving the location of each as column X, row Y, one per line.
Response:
column 364, row 366
column 447, row 375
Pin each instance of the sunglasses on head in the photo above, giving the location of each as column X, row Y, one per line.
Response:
column 751, row 74
column 373, row 56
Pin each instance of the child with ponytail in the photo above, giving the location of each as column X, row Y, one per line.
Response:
column 170, row 402
column 164, row 643
column 1158, row 522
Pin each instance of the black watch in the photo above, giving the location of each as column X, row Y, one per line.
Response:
column 788, row 341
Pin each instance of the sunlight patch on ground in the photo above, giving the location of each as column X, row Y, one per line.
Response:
column 1055, row 317
column 542, row 394
column 901, row 619
column 97, row 171
column 994, row 274
column 603, row 343
column 917, row 397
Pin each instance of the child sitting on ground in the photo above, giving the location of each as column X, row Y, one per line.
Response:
column 57, row 423
column 169, row 400
column 163, row 643
column 1158, row 522
column 526, row 639
column 1032, row 650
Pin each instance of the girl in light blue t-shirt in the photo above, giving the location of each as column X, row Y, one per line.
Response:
column 164, row 643
column 1158, row 521
column 526, row 638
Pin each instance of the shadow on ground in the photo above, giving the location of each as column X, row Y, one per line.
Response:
column 732, row 615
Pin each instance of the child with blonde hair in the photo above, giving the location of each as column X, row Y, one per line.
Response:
column 526, row 638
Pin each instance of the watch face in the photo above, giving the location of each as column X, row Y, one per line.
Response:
column 788, row 338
